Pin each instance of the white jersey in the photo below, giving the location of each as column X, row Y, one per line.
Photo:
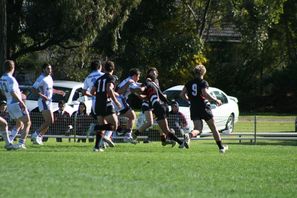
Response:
column 8, row 85
column 44, row 84
column 89, row 82
column 132, row 85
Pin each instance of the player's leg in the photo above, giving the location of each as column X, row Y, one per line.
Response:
column 48, row 120
column 216, row 135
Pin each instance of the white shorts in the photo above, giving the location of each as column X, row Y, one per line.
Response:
column 124, row 104
column 15, row 111
column 45, row 105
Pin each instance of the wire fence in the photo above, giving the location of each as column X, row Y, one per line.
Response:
column 81, row 128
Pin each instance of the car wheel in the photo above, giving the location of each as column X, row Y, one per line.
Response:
column 229, row 125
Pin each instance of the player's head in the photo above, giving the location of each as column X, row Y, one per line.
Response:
column 134, row 74
column 109, row 66
column 9, row 66
column 152, row 73
column 96, row 65
column 47, row 68
column 199, row 70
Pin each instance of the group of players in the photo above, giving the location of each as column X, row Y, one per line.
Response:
column 108, row 101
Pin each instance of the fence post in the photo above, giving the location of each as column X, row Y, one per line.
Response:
column 74, row 127
column 255, row 129
column 296, row 124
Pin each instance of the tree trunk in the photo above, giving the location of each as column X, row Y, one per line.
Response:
column 3, row 32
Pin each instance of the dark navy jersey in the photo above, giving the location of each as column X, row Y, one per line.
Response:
column 102, row 98
column 194, row 92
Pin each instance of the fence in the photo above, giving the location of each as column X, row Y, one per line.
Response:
column 250, row 128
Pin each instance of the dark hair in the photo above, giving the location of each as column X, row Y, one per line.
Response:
column 85, row 110
column 109, row 66
column 61, row 102
column 134, row 71
column 45, row 65
column 152, row 69
column 148, row 75
column 8, row 65
column 95, row 65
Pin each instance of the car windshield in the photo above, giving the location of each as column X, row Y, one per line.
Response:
column 59, row 93
column 175, row 95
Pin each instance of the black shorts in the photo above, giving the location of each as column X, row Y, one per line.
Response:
column 123, row 111
column 106, row 111
column 146, row 106
column 201, row 113
column 160, row 111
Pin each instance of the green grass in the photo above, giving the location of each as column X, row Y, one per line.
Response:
column 150, row 170
column 265, row 123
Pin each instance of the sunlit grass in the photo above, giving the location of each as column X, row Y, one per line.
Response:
column 150, row 170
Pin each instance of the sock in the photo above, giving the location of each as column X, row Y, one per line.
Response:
column 137, row 132
column 103, row 127
column 173, row 137
column 191, row 135
column 98, row 139
column 5, row 137
column 129, row 134
column 13, row 134
column 108, row 134
column 21, row 141
column 163, row 138
column 220, row 145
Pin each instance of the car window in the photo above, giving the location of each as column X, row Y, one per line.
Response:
column 28, row 92
column 175, row 95
column 219, row 95
column 61, row 93
column 77, row 94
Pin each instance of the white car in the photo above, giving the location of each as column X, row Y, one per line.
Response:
column 225, row 115
column 69, row 91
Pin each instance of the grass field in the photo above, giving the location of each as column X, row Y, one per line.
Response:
column 267, row 169
column 265, row 123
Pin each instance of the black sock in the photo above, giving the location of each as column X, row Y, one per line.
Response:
column 220, row 145
column 137, row 133
column 173, row 137
column 163, row 138
column 104, row 127
column 98, row 139
column 191, row 135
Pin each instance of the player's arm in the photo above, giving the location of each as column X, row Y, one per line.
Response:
column 123, row 89
column 86, row 93
column 93, row 91
column 16, row 96
column 112, row 94
column 37, row 92
column 210, row 97
column 184, row 94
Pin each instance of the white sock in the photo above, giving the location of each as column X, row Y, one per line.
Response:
column 5, row 137
column 108, row 134
column 13, row 134
column 128, row 135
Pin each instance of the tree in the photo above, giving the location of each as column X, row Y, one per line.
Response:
column 69, row 25
column 3, row 31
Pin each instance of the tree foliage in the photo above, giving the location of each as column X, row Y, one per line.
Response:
column 172, row 35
